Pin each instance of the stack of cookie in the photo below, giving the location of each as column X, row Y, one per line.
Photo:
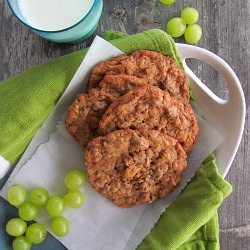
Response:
column 136, row 127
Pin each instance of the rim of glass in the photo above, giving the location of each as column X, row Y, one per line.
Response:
column 53, row 31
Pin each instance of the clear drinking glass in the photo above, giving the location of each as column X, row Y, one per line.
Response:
column 75, row 33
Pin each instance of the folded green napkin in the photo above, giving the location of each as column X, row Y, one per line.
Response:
column 28, row 98
column 190, row 222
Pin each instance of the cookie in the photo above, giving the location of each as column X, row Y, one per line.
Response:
column 131, row 167
column 111, row 66
column 151, row 108
column 87, row 109
column 159, row 70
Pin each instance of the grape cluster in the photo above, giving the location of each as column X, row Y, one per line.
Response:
column 28, row 210
column 185, row 25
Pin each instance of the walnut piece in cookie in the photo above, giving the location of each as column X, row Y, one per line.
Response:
column 131, row 167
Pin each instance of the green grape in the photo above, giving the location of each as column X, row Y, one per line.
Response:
column 36, row 233
column 16, row 227
column 39, row 196
column 193, row 33
column 60, row 226
column 176, row 27
column 74, row 198
column 28, row 211
column 74, row 179
column 21, row 243
column 167, row 1
column 55, row 205
column 190, row 15
column 16, row 195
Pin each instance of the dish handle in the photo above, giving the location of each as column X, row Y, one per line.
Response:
column 227, row 116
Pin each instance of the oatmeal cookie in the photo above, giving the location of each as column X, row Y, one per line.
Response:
column 111, row 66
column 87, row 109
column 159, row 70
column 131, row 167
column 151, row 108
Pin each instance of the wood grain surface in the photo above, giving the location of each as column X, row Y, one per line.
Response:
column 226, row 32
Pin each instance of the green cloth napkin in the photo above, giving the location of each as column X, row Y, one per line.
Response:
column 190, row 222
column 28, row 98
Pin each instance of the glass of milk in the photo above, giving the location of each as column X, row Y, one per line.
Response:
column 62, row 21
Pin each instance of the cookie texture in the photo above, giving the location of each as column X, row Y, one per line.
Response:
column 159, row 70
column 131, row 167
column 87, row 110
column 151, row 108
column 112, row 66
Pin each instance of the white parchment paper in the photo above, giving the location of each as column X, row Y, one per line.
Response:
column 98, row 224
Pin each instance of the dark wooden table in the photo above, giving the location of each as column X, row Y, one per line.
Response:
column 226, row 32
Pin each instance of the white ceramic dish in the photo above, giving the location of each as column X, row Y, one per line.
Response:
column 227, row 116
column 53, row 168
